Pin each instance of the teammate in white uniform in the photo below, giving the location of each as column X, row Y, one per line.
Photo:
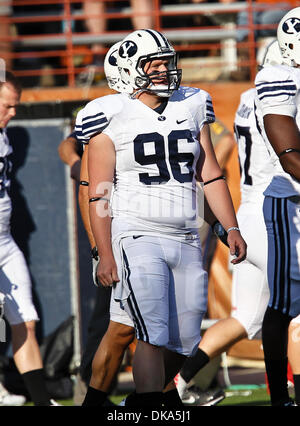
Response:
column 278, row 98
column 150, row 250
column 15, row 283
column 248, row 307
column 250, row 292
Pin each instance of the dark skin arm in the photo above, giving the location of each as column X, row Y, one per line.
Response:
column 283, row 133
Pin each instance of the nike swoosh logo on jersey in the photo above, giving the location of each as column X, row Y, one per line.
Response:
column 136, row 236
column 181, row 121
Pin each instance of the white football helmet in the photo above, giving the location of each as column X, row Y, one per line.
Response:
column 136, row 50
column 270, row 55
column 112, row 72
column 288, row 36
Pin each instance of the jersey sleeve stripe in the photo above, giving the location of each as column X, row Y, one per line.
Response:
column 78, row 132
column 269, row 95
column 94, row 125
column 84, row 133
column 291, row 87
column 210, row 113
column 93, row 131
column 91, row 123
column 91, row 117
column 269, row 83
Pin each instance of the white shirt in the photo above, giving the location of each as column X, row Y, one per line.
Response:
column 278, row 92
column 255, row 162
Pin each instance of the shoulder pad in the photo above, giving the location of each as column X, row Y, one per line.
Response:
column 246, row 104
column 199, row 103
column 248, row 96
column 277, row 82
column 96, row 116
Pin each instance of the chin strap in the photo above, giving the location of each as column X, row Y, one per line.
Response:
column 137, row 93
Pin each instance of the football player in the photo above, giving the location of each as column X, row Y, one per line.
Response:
column 142, row 166
column 278, row 92
column 15, row 282
column 120, row 333
column 250, row 292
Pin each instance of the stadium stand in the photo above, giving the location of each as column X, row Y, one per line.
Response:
column 46, row 38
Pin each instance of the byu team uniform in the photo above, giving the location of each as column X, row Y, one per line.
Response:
column 15, row 283
column 278, row 92
column 163, row 286
column 250, row 291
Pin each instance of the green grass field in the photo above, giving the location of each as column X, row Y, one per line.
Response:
column 238, row 395
column 247, row 396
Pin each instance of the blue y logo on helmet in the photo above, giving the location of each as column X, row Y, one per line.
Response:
column 113, row 58
column 291, row 26
column 127, row 49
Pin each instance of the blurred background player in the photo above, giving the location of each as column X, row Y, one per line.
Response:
column 15, row 283
column 70, row 150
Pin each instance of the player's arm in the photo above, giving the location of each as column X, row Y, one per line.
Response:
column 218, row 196
column 224, row 149
column 67, row 151
column 223, row 142
column 283, row 134
column 83, row 196
column 101, row 166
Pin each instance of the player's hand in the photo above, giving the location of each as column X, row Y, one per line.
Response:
column 237, row 246
column 107, row 273
column 95, row 263
column 75, row 170
column 95, row 267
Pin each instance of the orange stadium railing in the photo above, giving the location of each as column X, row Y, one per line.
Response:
column 41, row 38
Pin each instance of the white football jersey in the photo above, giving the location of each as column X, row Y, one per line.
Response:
column 255, row 163
column 5, row 166
column 156, row 156
column 278, row 92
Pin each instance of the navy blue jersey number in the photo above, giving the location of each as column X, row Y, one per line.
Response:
column 240, row 132
column 4, row 169
column 159, row 157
